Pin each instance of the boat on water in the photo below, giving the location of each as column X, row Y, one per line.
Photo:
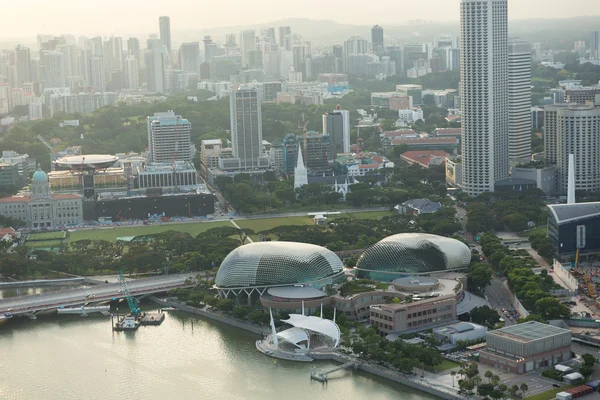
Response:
column 5, row 317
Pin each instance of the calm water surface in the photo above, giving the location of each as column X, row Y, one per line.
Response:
column 70, row 357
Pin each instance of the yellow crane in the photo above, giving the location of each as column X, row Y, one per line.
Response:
column 588, row 282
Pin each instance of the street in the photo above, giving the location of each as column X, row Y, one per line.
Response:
column 499, row 297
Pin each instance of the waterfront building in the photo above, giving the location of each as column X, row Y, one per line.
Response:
column 169, row 138
column 484, row 94
column 42, row 209
column 253, row 268
column 412, row 254
column 526, row 347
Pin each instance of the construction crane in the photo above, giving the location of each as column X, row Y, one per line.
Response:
column 303, row 126
column 131, row 301
column 588, row 279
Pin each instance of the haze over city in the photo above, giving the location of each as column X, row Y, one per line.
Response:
column 88, row 17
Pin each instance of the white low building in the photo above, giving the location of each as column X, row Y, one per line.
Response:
column 409, row 116
column 462, row 331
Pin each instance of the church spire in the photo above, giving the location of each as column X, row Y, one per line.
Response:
column 300, row 172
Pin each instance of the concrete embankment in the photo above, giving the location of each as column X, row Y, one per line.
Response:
column 329, row 356
column 259, row 330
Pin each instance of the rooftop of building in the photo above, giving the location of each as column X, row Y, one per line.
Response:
column 529, row 332
column 564, row 213
column 27, row 199
column 296, row 292
column 423, row 205
column 429, row 140
column 399, row 133
column 459, row 327
column 416, row 304
column 448, row 131
column 423, row 157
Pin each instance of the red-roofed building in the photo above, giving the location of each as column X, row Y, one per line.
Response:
column 7, row 234
column 427, row 143
column 425, row 158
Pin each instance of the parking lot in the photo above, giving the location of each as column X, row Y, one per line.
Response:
column 534, row 380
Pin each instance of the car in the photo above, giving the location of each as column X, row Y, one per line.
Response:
column 90, row 296
column 555, row 385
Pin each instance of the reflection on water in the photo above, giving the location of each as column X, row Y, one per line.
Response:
column 70, row 357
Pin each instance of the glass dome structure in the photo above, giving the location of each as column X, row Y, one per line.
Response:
column 277, row 263
column 412, row 253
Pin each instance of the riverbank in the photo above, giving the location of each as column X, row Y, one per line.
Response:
column 415, row 383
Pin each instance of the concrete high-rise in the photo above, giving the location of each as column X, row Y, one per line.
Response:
column 189, row 57
column 165, row 32
column 336, row 124
column 283, row 32
column 23, row 65
column 574, row 129
column 133, row 48
column 169, row 138
column 132, row 77
column 97, row 75
column 484, row 93
column 155, row 66
column 377, row 40
column 246, row 128
column 594, row 44
column 54, row 67
column 247, row 44
column 519, row 100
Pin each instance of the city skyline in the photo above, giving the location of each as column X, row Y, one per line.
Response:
column 30, row 17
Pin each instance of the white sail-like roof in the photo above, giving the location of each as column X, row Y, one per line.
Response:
column 315, row 324
column 293, row 336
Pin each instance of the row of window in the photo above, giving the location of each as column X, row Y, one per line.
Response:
column 427, row 321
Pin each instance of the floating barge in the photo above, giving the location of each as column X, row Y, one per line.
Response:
column 133, row 322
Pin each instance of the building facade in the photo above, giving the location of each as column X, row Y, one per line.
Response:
column 246, row 129
column 416, row 316
column 526, row 347
column 42, row 209
column 169, row 138
column 336, row 124
column 165, row 32
column 484, row 94
column 519, row 95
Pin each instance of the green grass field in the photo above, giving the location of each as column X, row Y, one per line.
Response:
column 540, row 230
column 44, row 244
column 364, row 215
column 264, row 224
column 45, row 235
column 112, row 234
column 444, row 366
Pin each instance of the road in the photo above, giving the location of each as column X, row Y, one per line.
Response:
column 499, row 297
column 78, row 296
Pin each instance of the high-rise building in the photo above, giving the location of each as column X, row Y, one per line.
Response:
column 23, row 65
column 336, row 124
column 283, row 32
column 484, row 93
column 574, row 129
column 155, row 67
column 377, row 40
column 412, row 53
column 519, row 100
column 132, row 77
column 97, row 74
column 117, row 53
column 54, row 68
column 189, row 57
column 165, row 32
column 169, row 138
column 246, row 128
column 594, row 44
column 133, row 47
column 247, row 44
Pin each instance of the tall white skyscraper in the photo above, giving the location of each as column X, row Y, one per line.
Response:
column 165, row 32
column 169, row 138
column 54, row 67
column 23, row 65
column 484, row 93
column 155, row 67
column 519, row 100
column 132, row 77
column 246, row 128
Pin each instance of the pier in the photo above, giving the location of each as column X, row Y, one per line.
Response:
column 323, row 376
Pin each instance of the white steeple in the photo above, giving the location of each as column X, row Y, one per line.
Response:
column 300, row 173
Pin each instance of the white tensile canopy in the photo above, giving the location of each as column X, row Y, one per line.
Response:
column 294, row 336
column 315, row 324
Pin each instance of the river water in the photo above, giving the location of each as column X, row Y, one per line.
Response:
column 70, row 357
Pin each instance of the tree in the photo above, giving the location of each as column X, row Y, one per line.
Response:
column 524, row 388
column 552, row 308
column 485, row 315
column 479, row 277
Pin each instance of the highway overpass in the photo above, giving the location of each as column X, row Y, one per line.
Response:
column 94, row 294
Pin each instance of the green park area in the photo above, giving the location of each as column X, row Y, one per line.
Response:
column 550, row 394
column 257, row 225
column 111, row 234
column 46, row 236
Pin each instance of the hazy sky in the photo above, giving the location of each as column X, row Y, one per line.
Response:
column 26, row 18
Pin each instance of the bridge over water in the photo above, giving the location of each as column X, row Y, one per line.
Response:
column 96, row 294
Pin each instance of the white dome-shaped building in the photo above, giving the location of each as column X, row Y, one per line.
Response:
column 412, row 254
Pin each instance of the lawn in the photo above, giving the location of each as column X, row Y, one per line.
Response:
column 43, row 244
column 364, row 215
column 45, row 235
column 444, row 366
column 540, row 230
column 111, row 234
